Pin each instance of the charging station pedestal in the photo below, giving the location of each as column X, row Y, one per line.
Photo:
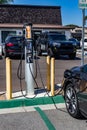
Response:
column 29, row 68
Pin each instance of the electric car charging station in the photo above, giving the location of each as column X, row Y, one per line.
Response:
column 30, row 79
column 29, row 65
column 29, row 70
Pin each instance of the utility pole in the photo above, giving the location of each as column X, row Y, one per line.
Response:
column 83, row 6
column 83, row 24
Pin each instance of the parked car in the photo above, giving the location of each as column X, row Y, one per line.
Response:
column 75, row 91
column 76, row 41
column 85, row 43
column 56, row 44
column 13, row 46
column 0, row 49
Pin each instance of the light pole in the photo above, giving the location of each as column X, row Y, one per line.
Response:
column 83, row 24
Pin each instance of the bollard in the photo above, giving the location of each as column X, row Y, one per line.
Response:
column 48, row 73
column 8, row 79
column 52, row 75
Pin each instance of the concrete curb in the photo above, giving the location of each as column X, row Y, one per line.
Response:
column 31, row 102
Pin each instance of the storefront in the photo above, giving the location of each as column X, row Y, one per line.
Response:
column 43, row 18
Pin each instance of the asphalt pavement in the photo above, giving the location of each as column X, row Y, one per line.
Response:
column 39, row 117
column 39, row 112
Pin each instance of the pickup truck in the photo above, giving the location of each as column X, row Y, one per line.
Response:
column 56, row 44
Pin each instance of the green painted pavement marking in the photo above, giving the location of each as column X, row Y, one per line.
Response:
column 30, row 102
column 45, row 118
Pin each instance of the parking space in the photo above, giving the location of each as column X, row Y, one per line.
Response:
column 47, row 117
column 39, row 117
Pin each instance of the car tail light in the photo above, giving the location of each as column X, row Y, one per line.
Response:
column 9, row 44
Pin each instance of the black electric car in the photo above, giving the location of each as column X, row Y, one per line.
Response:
column 75, row 91
column 13, row 46
column 55, row 44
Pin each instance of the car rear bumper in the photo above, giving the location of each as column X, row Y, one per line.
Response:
column 14, row 53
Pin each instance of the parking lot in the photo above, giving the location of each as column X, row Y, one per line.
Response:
column 31, row 119
column 40, row 70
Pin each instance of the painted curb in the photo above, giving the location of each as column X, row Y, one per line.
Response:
column 31, row 102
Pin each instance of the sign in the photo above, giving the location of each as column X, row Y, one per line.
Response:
column 83, row 4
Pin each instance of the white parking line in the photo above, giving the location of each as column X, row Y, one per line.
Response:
column 31, row 108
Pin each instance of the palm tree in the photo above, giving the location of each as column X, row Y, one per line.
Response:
column 85, row 18
column 5, row 1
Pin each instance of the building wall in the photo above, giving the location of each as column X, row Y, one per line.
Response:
column 68, row 34
column 20, row 14
column 19, row 32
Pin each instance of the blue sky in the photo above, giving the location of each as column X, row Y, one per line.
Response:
column 71, row 13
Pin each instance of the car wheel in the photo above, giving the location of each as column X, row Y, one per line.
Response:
column 72, row 56
column 71, row 101
column 39, row 52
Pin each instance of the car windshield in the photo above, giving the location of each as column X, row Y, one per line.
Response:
column 16, row 39
column 57, row 37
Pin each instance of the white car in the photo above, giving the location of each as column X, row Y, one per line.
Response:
column 0, row 50
column 85, row 43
